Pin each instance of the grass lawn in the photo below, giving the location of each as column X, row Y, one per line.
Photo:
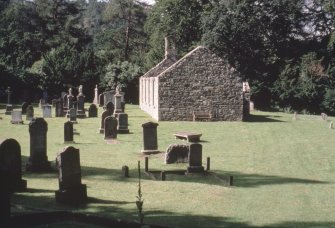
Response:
column 284, row 172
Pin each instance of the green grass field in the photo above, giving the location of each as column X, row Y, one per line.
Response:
column 284, row 172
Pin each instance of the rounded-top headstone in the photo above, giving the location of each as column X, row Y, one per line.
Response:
column 38, row 124
column 110, row 108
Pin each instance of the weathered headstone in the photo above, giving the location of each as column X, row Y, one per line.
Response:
column 102, row 122
column 110, row 127
column 71, row 190
column 59, row 109
column 10, row 160
column 176, row 153
column 24, row 108
column 117, row 102
column 110, row 108
column 38, row 160
column 150, row 144
column 9, row 106
column 324, row 116
column 46, row 110
column 195, row 158
column 30, row 112
column 108, row 97
column 122, row 127
column 70, row 98
column 16, row 117
column 81, row 106
column 95, row 100
column 93, row 111
column 101, row 100
column 73, row 115
column 68, row 132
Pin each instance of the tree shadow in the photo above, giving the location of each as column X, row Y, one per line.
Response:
column 262, row 118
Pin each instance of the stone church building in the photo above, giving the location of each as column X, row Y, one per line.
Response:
column 201, row 83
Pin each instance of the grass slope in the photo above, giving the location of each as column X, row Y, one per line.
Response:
column 283, row 172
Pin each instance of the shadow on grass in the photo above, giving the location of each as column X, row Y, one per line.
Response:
column 262, row 118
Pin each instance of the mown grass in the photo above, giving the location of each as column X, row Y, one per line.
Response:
column 283, row 172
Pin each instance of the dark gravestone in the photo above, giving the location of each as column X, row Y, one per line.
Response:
column 125, row 171
column 93, row 111
column 110, row 124
column 150, row 144
column 59, row 109
column 101, row 100
column 68, row 132
column 73, row 115
column 10, row 160
column 110, row 108
column 122, row 127
column 71, row 190
column 102, row 122
column 70, row 100
column 24, row 108
column 123, row 106
column 176, row 153
column 38, row 160
column 195, row 158
column 16, row 117
column 81, row 106
column 30, row 112
column 4, row 198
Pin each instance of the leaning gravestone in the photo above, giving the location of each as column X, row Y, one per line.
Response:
column 73, row 115
column 93, row 111
column 46, row 110
column 68, row 132
column 38, row 160
column 150, row 144
column 122, row 127
column 102, row 122
column 10, row 160
column 16, row 117
column 71, row 190
column 176, row 153
column 30, row 112
column 110, row 124
column 59, row 109
column 195, row 158
column 24, row 108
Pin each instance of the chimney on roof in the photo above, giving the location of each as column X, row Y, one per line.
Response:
column 170, row 48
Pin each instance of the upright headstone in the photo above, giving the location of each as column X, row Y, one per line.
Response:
column 68, row 132
column 95, row 100
column 38, row 160
column 16, row 117
column 70, row 99
column 122, row 127
column 42, row 103
column 46, row 110
column 9, row 106
column 30, row 112
column 59, row 109
column 73, row 115
column 93, row 111
column 102, row 122
column 195, row 158
column 65, row 101
column 10, row 160
column 110, row 108
column 108, row 97
column 53, row 102
column 71, row 190
column 81, row 106
column 150, row 144
column 118, row 108
column 101, row 100
column 110, row 127
column 45, row 96
column 24, row 108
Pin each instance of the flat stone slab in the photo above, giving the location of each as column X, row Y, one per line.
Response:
column 189, row 136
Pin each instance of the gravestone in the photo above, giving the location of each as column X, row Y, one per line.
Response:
column 102, row 122
column 195, row 158
column 68, row 132
column 73, row 115
column 46, row 110
column 81, row 106
column 53, row 102
column 24, row 108
column 110, row 127
column 70, row 99
column 108, row 97
column 176, row 153
column 122, row 127
column 117, row 102
column 42, row 103
column 95, row 100
column 10, row 161
column 110, row 108
column 324, row 116
column 30, row 112
column 4, row 198
column 101, row 100
column 16, row 117
column 150, row 144
column 65, row 101
column 38, row 160
column 59, row 109
column 9, row 106
column 71, row 190
column 123, row 106
column 93, row 111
